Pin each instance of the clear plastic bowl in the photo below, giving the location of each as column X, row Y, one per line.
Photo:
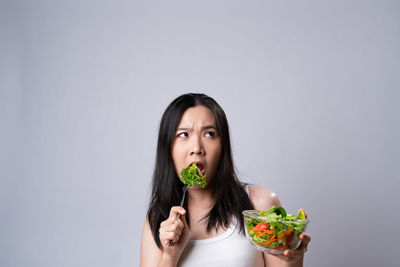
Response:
column 277, row 247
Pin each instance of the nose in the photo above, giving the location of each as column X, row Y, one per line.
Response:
column 197, row 147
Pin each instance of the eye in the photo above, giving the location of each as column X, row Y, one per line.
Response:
column 210, row 134
column 183, row 134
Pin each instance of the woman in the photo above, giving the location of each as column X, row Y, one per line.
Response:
column 208, row 230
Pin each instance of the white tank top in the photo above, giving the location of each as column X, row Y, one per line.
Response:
column 230, row 249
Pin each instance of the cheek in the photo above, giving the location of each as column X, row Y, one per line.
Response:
column 178, row 158
column 218, row 152
column 216, row 155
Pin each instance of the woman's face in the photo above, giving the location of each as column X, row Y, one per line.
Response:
column 197, row 140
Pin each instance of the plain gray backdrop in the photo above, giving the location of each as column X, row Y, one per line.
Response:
column 310, row 88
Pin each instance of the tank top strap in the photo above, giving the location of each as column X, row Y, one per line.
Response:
column 246, row 188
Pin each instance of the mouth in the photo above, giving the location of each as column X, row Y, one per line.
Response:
column 200, row 166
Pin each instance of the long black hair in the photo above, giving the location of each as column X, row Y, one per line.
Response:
column 229, row 193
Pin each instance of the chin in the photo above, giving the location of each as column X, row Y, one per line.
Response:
column 196, row 187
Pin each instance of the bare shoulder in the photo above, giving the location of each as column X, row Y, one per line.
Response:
column 262, row 198
column 150, row 254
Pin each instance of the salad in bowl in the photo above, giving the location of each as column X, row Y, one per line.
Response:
column 274, row 230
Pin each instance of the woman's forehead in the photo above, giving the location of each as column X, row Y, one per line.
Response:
column 197, row 116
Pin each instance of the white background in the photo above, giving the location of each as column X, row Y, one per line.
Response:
column 310, row 88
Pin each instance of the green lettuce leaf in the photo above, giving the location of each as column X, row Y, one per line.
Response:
column 192, row 175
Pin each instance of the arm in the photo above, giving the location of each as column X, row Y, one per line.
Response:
column 150, row 254
column 171, row 229
column 263, row 199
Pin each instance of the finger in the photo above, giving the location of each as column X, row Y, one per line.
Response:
column 294, row 253
column 166, row 237
column 176, row 228
column 305, row 213
column 164, row 223
column 169, row 223
column 170, row 241
column 172, row 225
column 172, row 231
column 175, row 210
column 305, row 237
column 179, row 223
column 298, row 252
column 184, row 222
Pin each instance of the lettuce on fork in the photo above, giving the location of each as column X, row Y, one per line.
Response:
column 192, row 175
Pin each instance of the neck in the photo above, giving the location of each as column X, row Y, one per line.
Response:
column 200, row 198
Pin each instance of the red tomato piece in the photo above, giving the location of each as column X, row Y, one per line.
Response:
column 260, row 227
column 289, row 238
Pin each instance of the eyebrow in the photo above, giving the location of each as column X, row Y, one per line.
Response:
column 203, row 128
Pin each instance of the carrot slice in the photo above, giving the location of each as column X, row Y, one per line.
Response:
column 286, row 233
